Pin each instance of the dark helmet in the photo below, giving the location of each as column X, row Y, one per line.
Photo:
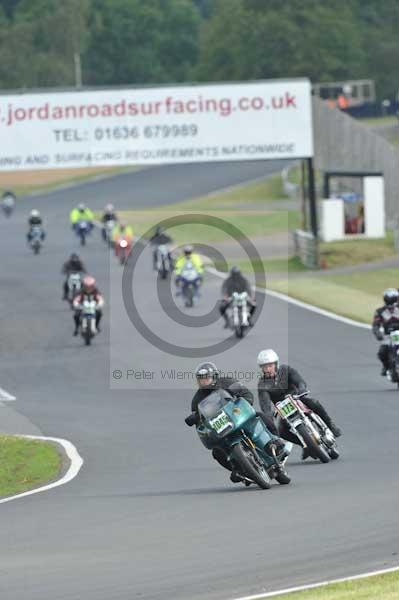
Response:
column 74, row 257
column 391, row 296
column 207, row 369
column 188, row 250
column 158, row 230
column 235, row 270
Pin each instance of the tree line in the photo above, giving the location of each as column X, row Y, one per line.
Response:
column 48, row 43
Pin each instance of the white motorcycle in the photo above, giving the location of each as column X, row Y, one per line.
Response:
column 36, row 239
column 107, row 230
column 88, row 320
column 163, row 262
column 239, row 313
column 310, row 429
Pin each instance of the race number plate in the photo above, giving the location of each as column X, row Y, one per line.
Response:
column 286, row 407
column 220, row 423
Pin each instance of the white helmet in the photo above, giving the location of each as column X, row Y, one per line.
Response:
column 81, row 206
column 109, row 208
column 266, row 357
column 34, row 213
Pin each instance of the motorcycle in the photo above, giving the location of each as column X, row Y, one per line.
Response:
column 393, row 370
column 88, row 320
column 308, row 427
column 189, row 284
column 107, row 230
column 74, row 284
column 163, row 262
column 7, row 204
column 239, row 314
column 232, row 425
column 36, row 238
column 83, row 228
column 123, row 249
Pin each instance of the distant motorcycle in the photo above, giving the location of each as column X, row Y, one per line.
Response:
column 107, row 230
column 163, row 262
column 189, row 281
column 393, row 370
column 74, row 284
column 36, row 239
column 239, row 314
column 88, row 320
column 123, row 249
column 232, row 425
column 8, row 204
column 308, row 427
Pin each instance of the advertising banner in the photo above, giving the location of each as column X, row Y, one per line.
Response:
column 160, row 125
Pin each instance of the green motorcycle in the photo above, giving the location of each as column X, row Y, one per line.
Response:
column 232, row 425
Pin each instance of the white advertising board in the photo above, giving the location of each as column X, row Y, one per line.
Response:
column 202, row 123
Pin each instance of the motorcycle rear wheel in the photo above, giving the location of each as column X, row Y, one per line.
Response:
column 315, row 450
column 249, row 467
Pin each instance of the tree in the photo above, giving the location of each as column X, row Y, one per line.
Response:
column 139, row 42
column 251, row 39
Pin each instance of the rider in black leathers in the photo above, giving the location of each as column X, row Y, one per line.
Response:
column 35, row 220
column 275, row 383
column 236, row 282
column 73, row 265
column 209, row 380
column 386, row 320
column 158, row 239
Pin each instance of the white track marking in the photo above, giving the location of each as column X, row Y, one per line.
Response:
column 311, row 307
column 5, row 396
column 312, row 586
column 74, row 468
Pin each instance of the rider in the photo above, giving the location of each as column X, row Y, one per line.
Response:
column 8, row 201
column 188, row 256
column 73, row 265
column 209, row 379
column 81, row 213
column 159, row 238
column 35, row 220
column 275, row 383
column 109, row 214
column 236, row 282
column 386, row 319
column 89, row 291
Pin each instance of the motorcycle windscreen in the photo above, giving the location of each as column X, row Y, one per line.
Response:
column 211, row 406
column 212, row 411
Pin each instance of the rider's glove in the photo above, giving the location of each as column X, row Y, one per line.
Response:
column 191, row 419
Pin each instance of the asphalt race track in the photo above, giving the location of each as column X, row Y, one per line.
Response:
column 150, row 515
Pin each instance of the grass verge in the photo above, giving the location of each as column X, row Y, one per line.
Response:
column 250, row 223
column 389, row 120
column 377, row 587
column 290, row 264
column 244, row 207
column 355, row 295
column 357, row 251
column 26, row 464
column 258, row 192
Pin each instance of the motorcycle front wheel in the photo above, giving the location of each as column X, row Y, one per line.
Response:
column 249, row 466
column 314, row 449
